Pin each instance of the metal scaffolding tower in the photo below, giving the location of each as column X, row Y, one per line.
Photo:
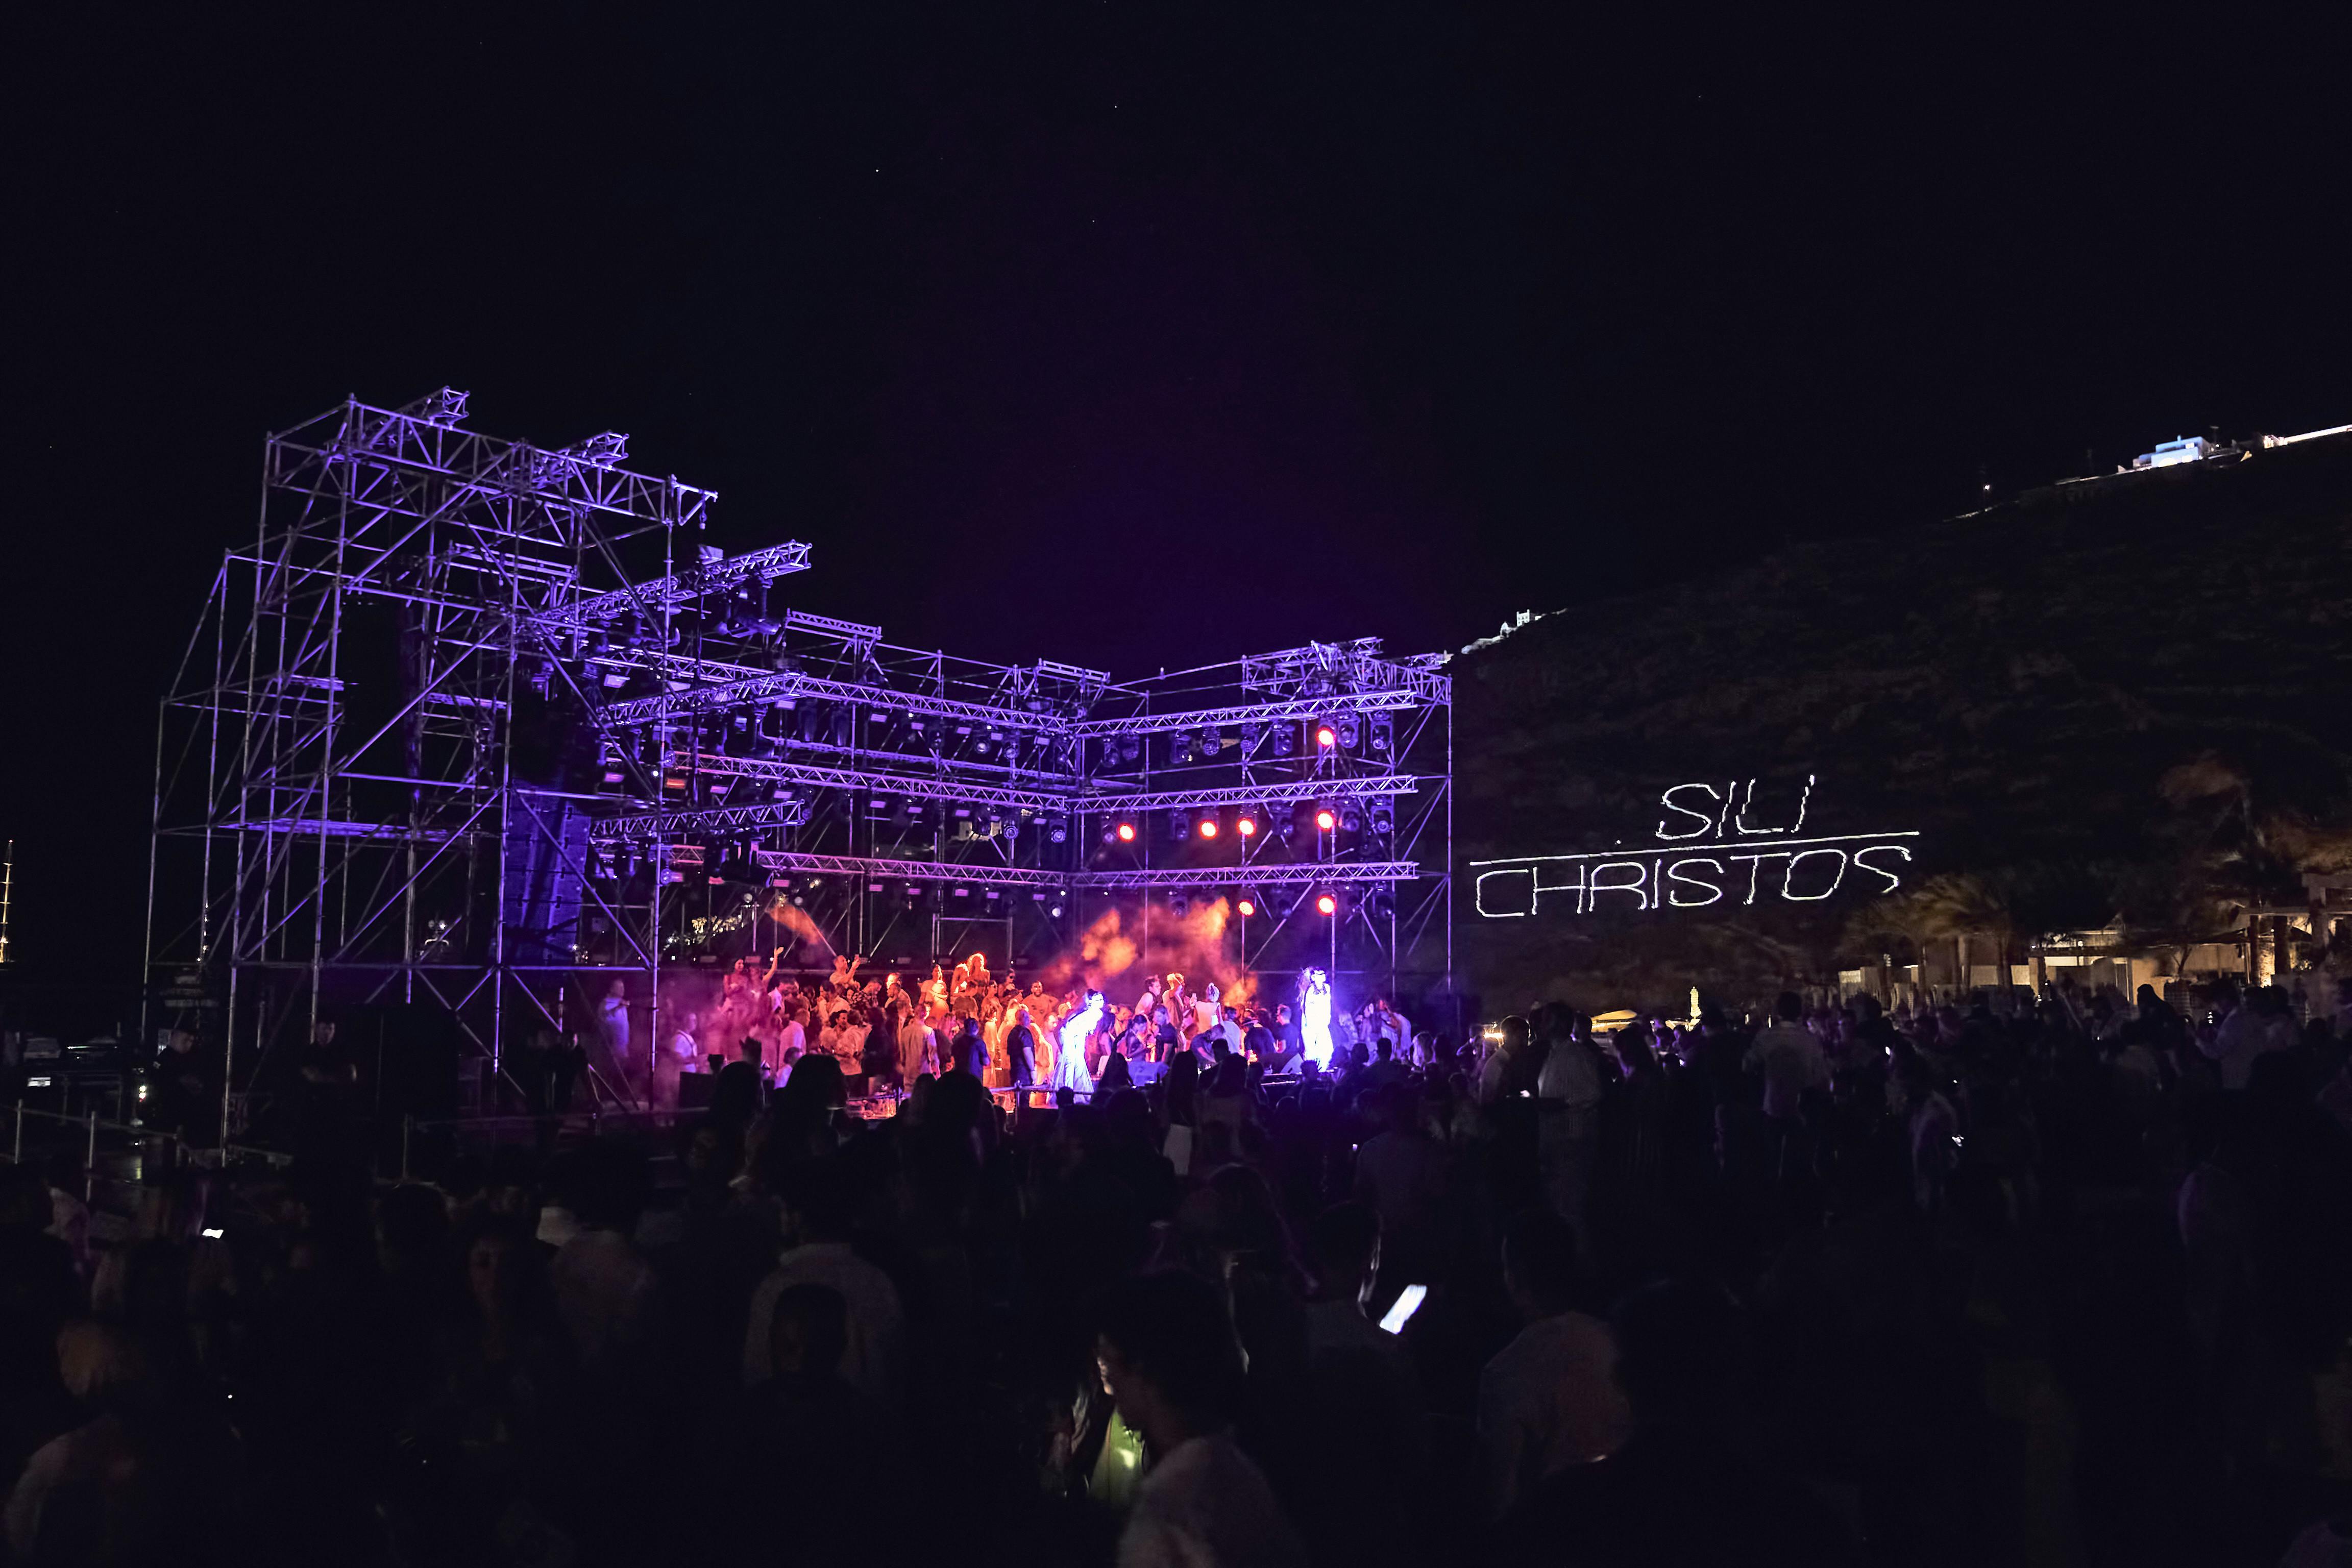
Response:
column 480, row 725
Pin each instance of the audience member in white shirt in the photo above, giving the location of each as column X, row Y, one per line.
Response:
column 1168, row 1356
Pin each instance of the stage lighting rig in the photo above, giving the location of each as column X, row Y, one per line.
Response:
column 1207, row 826
column 1326, row 819
column 1325, row 737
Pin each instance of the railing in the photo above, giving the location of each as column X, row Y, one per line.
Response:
column 128, row 1137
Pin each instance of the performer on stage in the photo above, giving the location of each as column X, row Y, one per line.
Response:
column 1315, row 1017
column 1070, row 1064
column 1020, row 1056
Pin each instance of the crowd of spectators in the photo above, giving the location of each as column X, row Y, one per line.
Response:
column 2009, row 1280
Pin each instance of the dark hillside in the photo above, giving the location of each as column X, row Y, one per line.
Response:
column 2129, row 697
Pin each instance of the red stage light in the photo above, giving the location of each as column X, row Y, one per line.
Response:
column 1208, row 828
column 1248, row 907
column 1245, row 827
column 1127, row 833
column 1325, row 904
column 1325, row 821
column 1326, row 736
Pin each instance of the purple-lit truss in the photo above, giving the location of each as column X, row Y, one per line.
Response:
column 461, row 714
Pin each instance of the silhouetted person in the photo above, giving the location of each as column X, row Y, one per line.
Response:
column 1170, row 1361
column 1682, row 1488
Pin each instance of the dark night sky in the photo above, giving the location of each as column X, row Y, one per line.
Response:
column 1123, row 335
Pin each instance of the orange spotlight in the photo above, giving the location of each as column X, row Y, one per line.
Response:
column 1325, row 821
column 1247, row 907
column 1208, row 828
column 1325, row 904
column 1245, row 825
column 1127, row 833
column 1326, row 736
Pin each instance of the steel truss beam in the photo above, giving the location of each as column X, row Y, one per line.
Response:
column 321, row 827
column 409, row 454
column 680, row 589
column 798, row 862
column 810, row 775
column 722, row 818
column 794, row 684
column 1283, row 711
column 1269, row 874
column 1050, row 802
column 1330, row 789
column 1265, row 874
column 1356, row 666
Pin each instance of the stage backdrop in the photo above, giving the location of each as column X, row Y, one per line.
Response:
column 2124, row 701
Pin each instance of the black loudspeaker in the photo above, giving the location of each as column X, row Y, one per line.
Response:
column 542, row 866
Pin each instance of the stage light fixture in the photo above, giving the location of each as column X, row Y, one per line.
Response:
column 1384, row 734
column 1285, row 740
column 1348, row 732
column 1058, row 829
column 1248, row 905
column 1383, row 817
column 1208, row 827
column 1245, row 825
column 1351, row 820
column 1126, row 832
column 1180, row 749
column 1325, row 820
column 1325, row 737
column 1177, row 827
column 1054, row 910
column 1325, row 904
column 1179, row 905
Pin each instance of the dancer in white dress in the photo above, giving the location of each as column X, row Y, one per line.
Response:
column 1314, row 1018
column 1070, row 1060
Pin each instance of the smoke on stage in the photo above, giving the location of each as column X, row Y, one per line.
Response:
column 1123, row 947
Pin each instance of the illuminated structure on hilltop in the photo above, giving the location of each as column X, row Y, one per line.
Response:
column 477, row 724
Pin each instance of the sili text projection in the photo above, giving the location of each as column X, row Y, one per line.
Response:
column 1715, row 844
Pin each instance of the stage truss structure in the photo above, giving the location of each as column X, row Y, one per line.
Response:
column 484, row 726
